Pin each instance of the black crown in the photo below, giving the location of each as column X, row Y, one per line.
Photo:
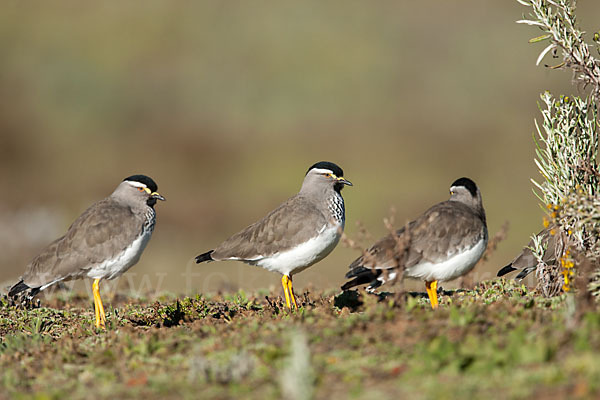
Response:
column 337, row 171
column 466, row 183
column 146, row 180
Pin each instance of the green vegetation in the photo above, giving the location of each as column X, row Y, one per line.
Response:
column 197, row 94
column 498, row 340
column 567, row 145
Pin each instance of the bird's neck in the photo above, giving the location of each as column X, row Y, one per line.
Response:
column 336, row 207
column 139, row 207
column 478, row 209
column 476, row 206
column 329, row 201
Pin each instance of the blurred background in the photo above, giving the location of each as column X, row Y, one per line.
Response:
column 226, row 104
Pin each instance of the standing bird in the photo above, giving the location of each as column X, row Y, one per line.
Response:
column 442, row 244
column 103, row 242
column 297, row 234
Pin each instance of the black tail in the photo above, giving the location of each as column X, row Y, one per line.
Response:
column 352, row 283
column 506, row 270
column 362, row 276
column 18, row 288
column 525, row 272
column 204, row 257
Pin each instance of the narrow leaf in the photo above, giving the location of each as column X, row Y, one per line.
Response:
column 529, row 22
column 544, row 52
column 540, row 38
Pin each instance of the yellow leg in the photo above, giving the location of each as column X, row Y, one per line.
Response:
column 432, row 293
column 96, row 309
column 100, row 316
column 101, row 308
column 291, row 290
column 284, row 283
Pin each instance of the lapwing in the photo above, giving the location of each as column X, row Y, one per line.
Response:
column 440, row 245
column 297, row 234
column 525, row 261
column 103, row 242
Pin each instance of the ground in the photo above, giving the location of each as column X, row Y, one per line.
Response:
column 496, row 341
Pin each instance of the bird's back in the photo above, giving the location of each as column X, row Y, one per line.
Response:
column 295, row 221
column 441, row 230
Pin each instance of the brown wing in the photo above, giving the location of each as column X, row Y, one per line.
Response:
column 381, row 254
column 446, row 228
column 293, row 222
column 526, row 261
column 103, row 231
column 447, row 225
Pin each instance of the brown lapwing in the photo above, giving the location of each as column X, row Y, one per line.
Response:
column 103, row 242
column 297, row 234
column 442, row 244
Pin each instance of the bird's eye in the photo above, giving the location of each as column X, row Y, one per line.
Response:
column 141, row 189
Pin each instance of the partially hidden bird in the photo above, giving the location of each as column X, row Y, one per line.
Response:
column 525, row 262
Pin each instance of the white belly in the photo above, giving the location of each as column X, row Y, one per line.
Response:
column 455, row 266
column 110, row 269
column 303, row 256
